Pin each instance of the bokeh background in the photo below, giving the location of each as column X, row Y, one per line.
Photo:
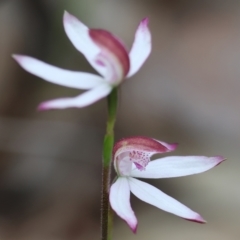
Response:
column 188, row 92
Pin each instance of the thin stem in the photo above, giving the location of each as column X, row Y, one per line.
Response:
column 106, row 212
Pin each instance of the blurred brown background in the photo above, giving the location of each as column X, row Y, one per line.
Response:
column 187, row 92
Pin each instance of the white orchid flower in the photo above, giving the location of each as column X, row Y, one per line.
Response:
column 104, row 52
column 131, row 158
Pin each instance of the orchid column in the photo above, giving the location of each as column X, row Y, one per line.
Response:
column 109, row 57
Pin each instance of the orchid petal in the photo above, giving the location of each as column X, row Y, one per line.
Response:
column 103, row 51
column 78, row 34
column 157, row 198
column 177, row 166
column 82, row 100
column 141, row 47
column 67, row 78
column 120, row 202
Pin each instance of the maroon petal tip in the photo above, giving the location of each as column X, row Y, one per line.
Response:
column 145, row 21
column 173, row 146
column 219, row 159
column 134, row 229
column 42, row 107
column 198, row 219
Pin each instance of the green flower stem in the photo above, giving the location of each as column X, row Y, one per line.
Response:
column 106, row 212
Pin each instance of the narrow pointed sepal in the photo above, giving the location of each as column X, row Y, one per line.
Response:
column 82, row 100
column 177, row 166
column 141, row 47
column 78, row 34
column 157, row 198
column 119, row 197
column 56, row 75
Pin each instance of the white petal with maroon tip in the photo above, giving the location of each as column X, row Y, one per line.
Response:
column 141, row 47
column 67, row 78
column 78, row 33
column 177, row 166
column 82, row 100
column 120, row 202
column 157, row 198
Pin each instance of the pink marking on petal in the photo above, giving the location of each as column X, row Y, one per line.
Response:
column 100, row 63
column 140, row 159
column 107, row 41
column 139, row 167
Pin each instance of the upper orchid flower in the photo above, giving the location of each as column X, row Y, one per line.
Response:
column 104, row 52
column 132, row 159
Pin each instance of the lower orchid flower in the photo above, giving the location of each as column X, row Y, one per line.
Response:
column 105, row 52
column 131, row 158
